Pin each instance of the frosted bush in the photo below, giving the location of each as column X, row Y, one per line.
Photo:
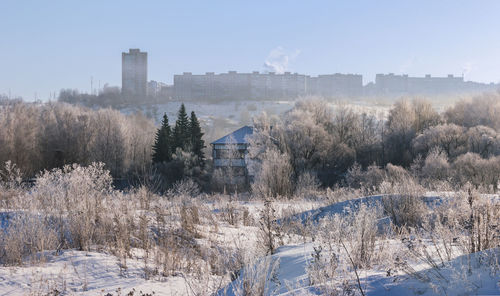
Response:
column 76, row 197
column 25, row 236
column 185, row 187
column 436, row 166
column 307, row 185
column 10, row 184
column 403, row 200
column 258, row 278
column 274, row 176
column 368, row 180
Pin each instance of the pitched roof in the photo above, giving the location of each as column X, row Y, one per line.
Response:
column 236, row 137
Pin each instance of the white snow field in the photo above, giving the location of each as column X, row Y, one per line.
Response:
column 84, row 273
column 285, row 273
column 288, row 275
column 454, row 278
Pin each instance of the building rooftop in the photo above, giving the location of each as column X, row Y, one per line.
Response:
column 239, row 136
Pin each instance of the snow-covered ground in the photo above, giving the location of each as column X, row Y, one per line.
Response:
column 91, row 273
column 84, row 273
column 452, row 279
column 97, row 273
column 463, row 275
column 75, row 272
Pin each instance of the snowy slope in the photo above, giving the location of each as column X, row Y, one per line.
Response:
column 92, row 273
column 453, row 279
column 337, row 208
column 346, row 207
column 292, row 260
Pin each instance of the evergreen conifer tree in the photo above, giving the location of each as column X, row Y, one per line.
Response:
column 162, row 148
column 182, row 136
column 197, row 143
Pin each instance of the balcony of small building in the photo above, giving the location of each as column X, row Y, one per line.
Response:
column 231, row 150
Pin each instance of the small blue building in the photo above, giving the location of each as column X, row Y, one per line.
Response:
column 230, row 152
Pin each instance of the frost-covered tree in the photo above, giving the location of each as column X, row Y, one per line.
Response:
column 368, row 144
column 319, row 139
column 50, row 135
column 305, row 138
column 480, row 110
column 450, row 138
column 471, row 168
column 425, row 115
column 274, row 177
column 405, row 120
column 399, row 133
column 483, row 140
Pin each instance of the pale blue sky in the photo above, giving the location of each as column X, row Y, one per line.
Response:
column 49, row 45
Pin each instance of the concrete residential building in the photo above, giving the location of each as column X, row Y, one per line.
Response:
column 335, row 85
column 155, row 88
column 134, row 73
column 255, row 85
column 404, row 84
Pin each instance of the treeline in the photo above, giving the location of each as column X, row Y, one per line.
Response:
column 317, row 143
column 108, row 96
column 40, row 137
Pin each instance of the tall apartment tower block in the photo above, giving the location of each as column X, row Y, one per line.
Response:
column 134, row 73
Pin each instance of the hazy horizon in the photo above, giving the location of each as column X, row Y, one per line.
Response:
column 50, row 46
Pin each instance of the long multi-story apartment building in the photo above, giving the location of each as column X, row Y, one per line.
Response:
column 404, row 84
column 255, row 85
column 336, row 85
column 270, row 86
